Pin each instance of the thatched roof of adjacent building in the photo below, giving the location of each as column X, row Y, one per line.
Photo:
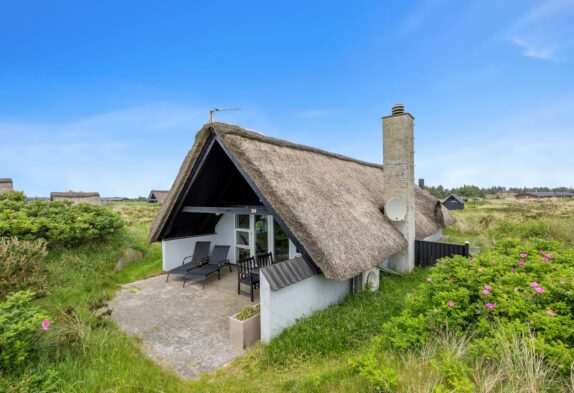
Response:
column 86, row 197
column 158, row 196
column 332, row 204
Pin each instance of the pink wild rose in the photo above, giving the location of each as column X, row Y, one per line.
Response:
column 485, row 292
column 516, row 289
column 45, row 324
column 523, row 255
column 534, row 284
column 549, row 256
column 541, row 252
column 451, row 304
column 490, row 305
column 429, row 279
column 539, row 290
column 544, row 259
column 487, row 287
column 521, row 263
column 551, row 313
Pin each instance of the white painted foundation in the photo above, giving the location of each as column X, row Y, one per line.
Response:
column 282, row 308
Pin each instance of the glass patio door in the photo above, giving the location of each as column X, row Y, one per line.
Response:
column 261, row 226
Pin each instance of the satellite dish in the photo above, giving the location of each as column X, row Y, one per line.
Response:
column 396, row 209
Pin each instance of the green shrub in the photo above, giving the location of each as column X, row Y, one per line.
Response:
column 15, row 196
column 56, row 222
column 20, row 265
column 382, row 378
column 247, row 312
column 21, row 328
column 32, row 382
column 524, row 288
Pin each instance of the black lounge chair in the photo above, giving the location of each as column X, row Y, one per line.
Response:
column 199, row 258
column 247, row 273
column 216, row 261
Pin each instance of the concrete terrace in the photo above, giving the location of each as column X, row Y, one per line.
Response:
column 186, row 329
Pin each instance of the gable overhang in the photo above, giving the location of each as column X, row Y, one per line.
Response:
column 265, row 207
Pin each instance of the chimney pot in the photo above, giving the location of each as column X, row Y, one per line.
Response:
column 398, row 109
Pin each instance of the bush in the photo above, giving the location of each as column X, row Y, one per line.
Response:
column 15, row 196
column 21, row 328
column 20, row 265
column 56, row 222
column 525, row 289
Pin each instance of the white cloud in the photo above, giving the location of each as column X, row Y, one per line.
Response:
column 123, row 152
column 544, row 32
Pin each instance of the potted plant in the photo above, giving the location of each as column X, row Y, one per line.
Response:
column 245, row 327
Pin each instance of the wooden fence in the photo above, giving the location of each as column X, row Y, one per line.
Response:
column 427, row 253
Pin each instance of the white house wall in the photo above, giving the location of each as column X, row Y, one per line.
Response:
column 173, row 251
column 435, row 237
column 282, row 308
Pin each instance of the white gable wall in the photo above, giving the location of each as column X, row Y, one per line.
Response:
column 282, row 308
column 173, row 251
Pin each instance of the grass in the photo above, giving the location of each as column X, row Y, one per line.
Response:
column 312, row 356
column 483, row 222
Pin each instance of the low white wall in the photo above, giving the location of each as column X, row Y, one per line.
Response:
column 281, row 309
column 435, row 237
column 173, row 251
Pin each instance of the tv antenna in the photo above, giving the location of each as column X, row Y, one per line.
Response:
column 213, row 110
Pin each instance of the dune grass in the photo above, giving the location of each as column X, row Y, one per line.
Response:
column 483, row 222
column 312, row 356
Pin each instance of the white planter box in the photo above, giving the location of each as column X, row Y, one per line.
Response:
column 243, row 334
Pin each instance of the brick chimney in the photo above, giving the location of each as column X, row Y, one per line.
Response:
column 399, row 175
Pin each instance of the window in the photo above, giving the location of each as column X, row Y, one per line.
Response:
column 261, row 235
column 242, row 236
column 281, row 243
column 242, row 221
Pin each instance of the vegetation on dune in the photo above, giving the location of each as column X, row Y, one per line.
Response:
column 59, row 223
column 410, row 336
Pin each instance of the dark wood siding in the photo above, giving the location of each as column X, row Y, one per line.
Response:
column 427, row 253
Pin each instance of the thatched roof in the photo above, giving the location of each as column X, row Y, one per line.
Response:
column 158, row 195
column 72, row 194
column 331, row 203
column 5, row 180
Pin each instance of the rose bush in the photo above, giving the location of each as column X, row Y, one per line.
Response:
column 523, row 289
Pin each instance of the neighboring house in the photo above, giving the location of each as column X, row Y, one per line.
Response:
column 318, row 212
column 454, row 202
column 6, row 185
column 157, row 196
column 546, row 194
column 114, row 199
column 77, row 197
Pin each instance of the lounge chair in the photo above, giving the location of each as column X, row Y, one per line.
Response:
column 248, row 274
column 217, row 259
column 199, row 258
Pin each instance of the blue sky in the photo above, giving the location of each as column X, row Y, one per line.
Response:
column 107, row 96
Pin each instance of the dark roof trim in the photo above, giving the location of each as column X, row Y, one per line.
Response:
column 181, row 197
column 283, row 274
column 5, row 180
